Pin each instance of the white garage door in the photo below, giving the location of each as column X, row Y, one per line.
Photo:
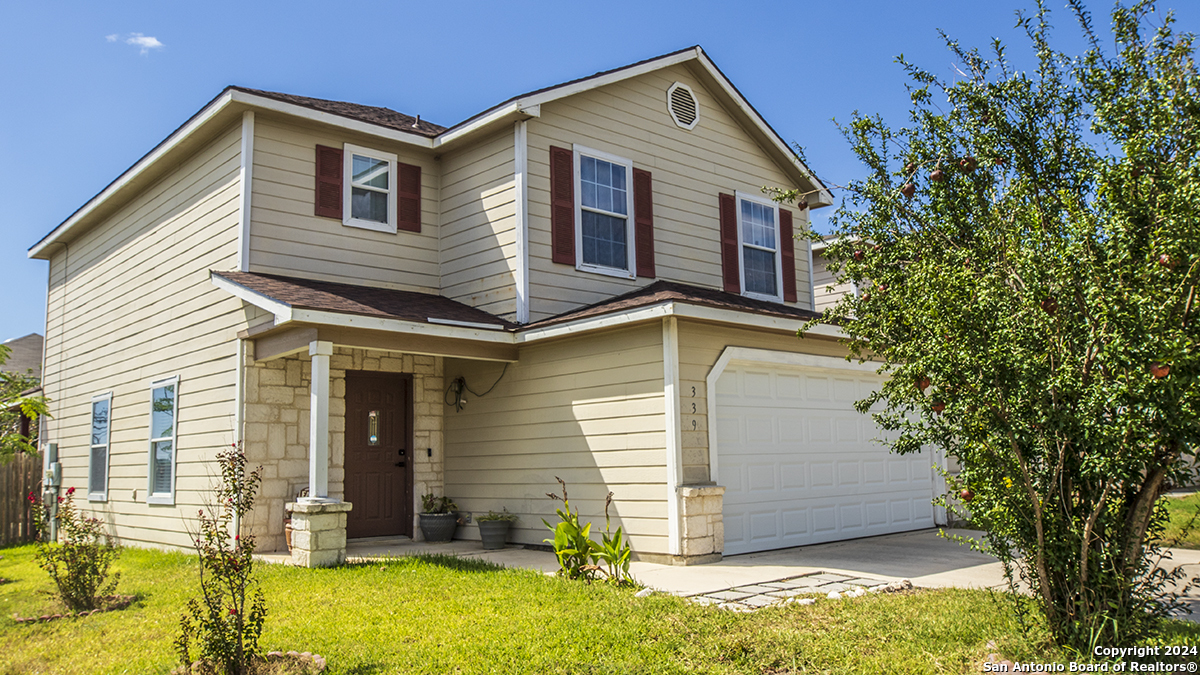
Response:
column 801, row 466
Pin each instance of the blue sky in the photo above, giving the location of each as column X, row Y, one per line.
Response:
column 90, row 87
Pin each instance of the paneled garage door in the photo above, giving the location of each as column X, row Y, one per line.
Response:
column 800, row 465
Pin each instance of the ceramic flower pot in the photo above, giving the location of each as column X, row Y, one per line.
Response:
column 438, row 527
column 494, row 533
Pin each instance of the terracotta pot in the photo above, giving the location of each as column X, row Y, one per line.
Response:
column 287, row 533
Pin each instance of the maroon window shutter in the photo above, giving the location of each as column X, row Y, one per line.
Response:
column 562, row 205
column 328, row 203
column 408, row 197
column 643, row 222
column 787, row 253
column 730, row 264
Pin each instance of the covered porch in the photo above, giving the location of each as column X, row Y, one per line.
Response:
column 342, row 401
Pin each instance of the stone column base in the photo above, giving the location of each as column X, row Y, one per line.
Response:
column 319, row 533
column 703, row 532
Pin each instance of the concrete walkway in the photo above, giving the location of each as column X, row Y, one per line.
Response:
column 925, row 558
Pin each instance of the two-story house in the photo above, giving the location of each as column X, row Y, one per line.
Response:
column 584, row 282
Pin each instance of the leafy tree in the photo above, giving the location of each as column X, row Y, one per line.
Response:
column 11, row 386
column 1029, row 247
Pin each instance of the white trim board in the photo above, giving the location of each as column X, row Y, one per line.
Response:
column 246, row 190
column 521, row 183
column 674, row 431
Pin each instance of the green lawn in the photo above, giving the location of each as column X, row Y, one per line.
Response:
column 1183, row 530
column 440, row 615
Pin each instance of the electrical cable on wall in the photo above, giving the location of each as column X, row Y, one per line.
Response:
column 454, row 392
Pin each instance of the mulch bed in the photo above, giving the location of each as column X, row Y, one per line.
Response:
column 112, row 603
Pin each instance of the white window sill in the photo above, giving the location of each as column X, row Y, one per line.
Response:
column 161, row 499
column 98, row 497
column 760, row 296
column 606, row 271
column 369, row 225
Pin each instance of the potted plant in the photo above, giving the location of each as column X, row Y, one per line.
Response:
column 438, row 518
column 493, row 528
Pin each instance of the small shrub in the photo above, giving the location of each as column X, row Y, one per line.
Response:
column 79, row 562
column 577, row 554
column 227, row 620
column 431, row 504
column 494, row 516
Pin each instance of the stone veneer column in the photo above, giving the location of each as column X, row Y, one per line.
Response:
column 318, row 533
column 703, row 530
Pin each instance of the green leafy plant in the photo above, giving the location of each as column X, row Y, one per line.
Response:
column 614, row 550
column 1029, row 253
column 432, row 504
column 79, row 562
column 15, row 403
column 578, row 554
column 227, row 620
column 493, row 516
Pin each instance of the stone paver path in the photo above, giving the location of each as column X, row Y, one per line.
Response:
column 757, row 596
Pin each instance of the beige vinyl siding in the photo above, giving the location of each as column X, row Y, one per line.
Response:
column 826, row 288
column 287, row 239
column 689, row 168
column 700, row 346
column 587, row 409
column 478, row 216
column 130, row 302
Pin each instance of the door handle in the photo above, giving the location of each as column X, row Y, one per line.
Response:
column 400, row 464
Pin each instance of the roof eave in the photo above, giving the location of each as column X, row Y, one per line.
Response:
column 133, row 173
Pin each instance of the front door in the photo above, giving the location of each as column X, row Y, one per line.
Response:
column 379, row 453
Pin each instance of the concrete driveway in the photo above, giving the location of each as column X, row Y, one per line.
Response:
column 925, row 557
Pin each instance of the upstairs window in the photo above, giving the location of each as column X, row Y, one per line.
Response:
column 758, row 225
column 164, row 408
column 758, row 254
column 370, row 193
column 601, row 213
column 98, row 462
column 367, row 188
column 604, row 207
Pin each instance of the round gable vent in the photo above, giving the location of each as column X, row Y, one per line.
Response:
column 684, row 107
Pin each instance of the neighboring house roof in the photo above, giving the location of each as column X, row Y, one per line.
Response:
column 388, row 303
column 387, row 123
column 384, row 117
column 669, row 291
column 26, row 355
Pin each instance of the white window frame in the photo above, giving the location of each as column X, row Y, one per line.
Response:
column 103, row 495
column 166, row 498
column 778, row 297
column 348, row 152
column 630, row 245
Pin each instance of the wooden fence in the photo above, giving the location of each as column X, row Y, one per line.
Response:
column 18, row 478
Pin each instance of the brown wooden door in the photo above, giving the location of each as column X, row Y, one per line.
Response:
column 379, row 454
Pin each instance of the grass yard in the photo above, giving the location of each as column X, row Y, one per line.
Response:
column 1183, row 530
column 443, row 615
